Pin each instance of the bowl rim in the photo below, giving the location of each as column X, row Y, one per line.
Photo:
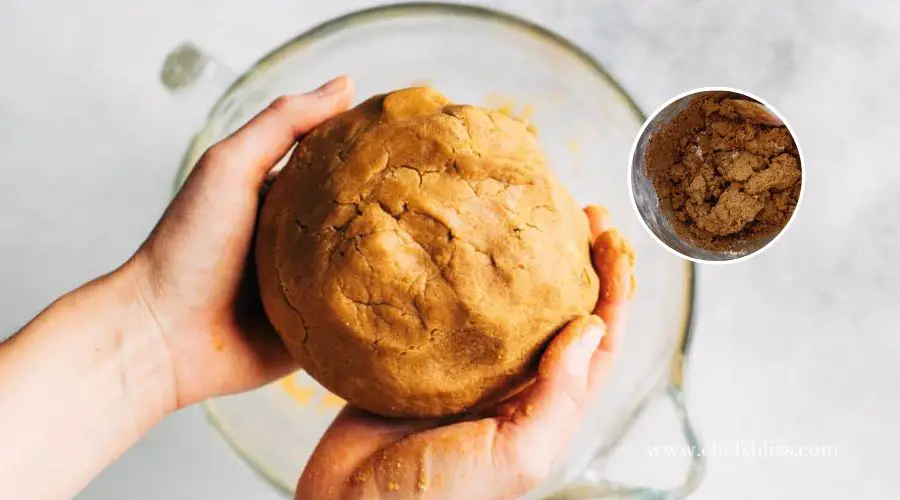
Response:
column 402, row 9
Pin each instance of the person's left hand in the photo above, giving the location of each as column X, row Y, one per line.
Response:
column 194, row 274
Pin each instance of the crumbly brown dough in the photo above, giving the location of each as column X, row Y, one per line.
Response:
column 725, row 170
column 415, row 255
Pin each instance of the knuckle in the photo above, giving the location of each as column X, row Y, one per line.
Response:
column 571, row 395
column 282, row 103
column 215, row 154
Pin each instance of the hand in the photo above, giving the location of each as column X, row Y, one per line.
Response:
column 179, row 322
column 502, row 452
column 194, row 274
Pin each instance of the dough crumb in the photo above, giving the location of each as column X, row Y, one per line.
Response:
column 782, row 173
column 770, row 142
column 422, row 482
column 358, row 477
column 738, row 166
column 731, row 213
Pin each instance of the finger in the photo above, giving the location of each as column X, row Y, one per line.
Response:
column 552, row 407
column 613, row 260
column 253, row 150
column 601, row 366
column 598, row 220
column 264, row 189
column 271, row 359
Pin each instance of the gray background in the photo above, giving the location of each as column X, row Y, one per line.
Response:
column 798, row 346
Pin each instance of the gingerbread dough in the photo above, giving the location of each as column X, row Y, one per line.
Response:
column 416, row 256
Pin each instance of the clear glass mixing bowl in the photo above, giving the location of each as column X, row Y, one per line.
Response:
column 585, row 122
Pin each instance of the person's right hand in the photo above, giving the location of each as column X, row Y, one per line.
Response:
column 503, row 452
column 196, row 282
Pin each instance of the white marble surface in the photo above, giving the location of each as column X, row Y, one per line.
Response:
column 798, row 347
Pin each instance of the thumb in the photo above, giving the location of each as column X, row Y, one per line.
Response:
column 556, row 399
column 550, row 410
column 215, row 211
column 254, row 149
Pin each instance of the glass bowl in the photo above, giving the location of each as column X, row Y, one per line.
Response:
column 586, row 123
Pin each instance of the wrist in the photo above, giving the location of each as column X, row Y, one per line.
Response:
column 144, row 357
column 86, row 378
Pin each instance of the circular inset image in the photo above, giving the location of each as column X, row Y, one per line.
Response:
column 716, row 175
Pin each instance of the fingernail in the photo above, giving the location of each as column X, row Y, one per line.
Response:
column 579, row 353
column 591, row 336
column 599, row 210
column 332, row 87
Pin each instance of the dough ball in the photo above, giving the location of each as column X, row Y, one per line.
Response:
column 416, row 256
